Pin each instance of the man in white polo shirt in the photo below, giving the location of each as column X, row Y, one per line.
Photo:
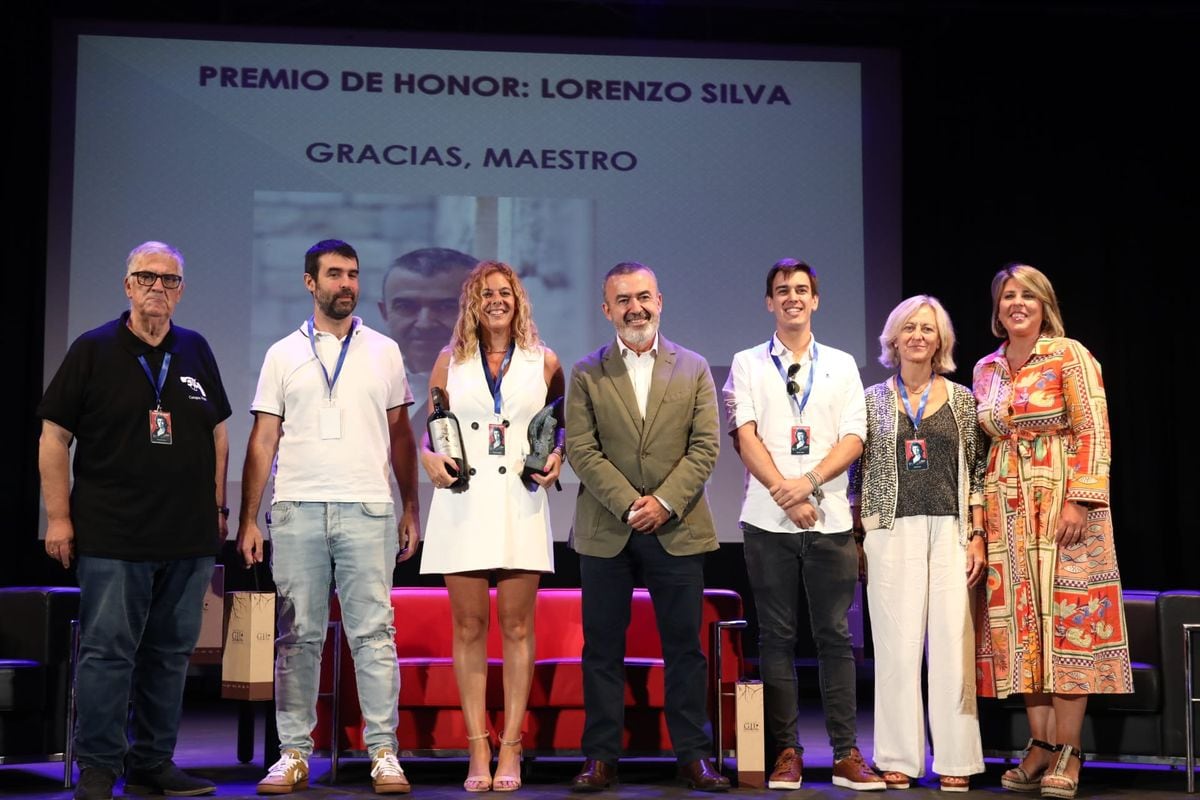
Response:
column 798, row 420
column 331, row 401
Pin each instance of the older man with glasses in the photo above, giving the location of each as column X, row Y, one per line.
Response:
column 142, row 401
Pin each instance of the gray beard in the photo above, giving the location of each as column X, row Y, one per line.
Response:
column 642, row 337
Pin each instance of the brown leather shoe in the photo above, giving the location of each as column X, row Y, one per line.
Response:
column 851, row 772
column 787, row 772
column 595, row 776
column 702, row 776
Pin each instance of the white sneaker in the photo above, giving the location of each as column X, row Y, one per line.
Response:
column 286, row 775
column 387, row 776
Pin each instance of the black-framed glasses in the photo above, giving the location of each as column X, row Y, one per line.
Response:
column 792, row 386
column 148, row 278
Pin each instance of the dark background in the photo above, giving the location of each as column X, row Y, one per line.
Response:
column 1061, row 134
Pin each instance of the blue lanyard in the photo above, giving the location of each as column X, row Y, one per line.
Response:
column 798, row 405
column 312, row 341
column 162, row 377
column 494, row 385
column 916, row 420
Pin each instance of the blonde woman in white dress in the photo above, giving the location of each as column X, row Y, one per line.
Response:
column 497, row 375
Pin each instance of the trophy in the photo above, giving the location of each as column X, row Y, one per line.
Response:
column 543, row 431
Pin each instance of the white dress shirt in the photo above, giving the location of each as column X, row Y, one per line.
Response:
column 640, row 367
column 641, row 370
column 756, row 392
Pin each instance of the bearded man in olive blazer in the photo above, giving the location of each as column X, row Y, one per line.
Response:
column 643, row 437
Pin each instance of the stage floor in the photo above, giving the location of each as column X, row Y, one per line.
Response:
column 207, row 747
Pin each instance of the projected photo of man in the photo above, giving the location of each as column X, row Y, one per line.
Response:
column 419, row 306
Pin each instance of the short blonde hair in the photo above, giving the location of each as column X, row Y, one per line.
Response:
column 147, row 249
column 943, row 357
column 1035, row 281
column 465, row 339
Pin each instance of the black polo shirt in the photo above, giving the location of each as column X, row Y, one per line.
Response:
column 133, row 499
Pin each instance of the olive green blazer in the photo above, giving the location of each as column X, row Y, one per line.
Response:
column 619, row 457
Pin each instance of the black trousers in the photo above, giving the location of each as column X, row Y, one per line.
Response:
column 676, row 585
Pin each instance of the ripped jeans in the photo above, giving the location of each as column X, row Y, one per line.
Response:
column 314, row 547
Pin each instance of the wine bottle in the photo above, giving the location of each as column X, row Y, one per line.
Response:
column 445, row 437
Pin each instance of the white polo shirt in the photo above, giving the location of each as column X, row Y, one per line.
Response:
column 756, row 392
column 356, row 466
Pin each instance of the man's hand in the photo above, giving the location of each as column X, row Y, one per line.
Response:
column 647, row 515
column 409, row 533
column 804, row 514
column 222, row 529
column 60, row 541
column 250, row 543
column 791, row 491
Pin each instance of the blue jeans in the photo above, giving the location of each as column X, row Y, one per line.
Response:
column 828, row 564
column 315, row 546
column 676, row 585
column 137, row 618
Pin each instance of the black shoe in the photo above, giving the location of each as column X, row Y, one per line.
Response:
column 703, row 776
column 95, row 783
column 596, row 776
column 166, row 779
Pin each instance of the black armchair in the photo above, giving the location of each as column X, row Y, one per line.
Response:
column 35, row 673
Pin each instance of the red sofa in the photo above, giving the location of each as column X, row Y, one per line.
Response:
column 431, row 722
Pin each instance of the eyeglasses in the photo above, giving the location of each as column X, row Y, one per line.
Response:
column 792, row 386
column 438, row 307
column 148, row 279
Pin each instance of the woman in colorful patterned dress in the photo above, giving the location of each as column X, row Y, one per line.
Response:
column 1054, row 627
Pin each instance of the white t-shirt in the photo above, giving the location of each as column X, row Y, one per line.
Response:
column 355, row 466
column 756, row 392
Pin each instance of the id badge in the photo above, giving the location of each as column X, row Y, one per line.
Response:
column 160, row 427
column 330, row 422
column 801, row 440
column 496, row 440
column 916, row 454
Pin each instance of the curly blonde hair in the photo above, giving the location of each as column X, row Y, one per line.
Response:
column 465, row 339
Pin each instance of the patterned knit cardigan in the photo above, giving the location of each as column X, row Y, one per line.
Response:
column 874, row 478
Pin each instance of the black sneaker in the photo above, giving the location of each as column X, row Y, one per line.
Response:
column 95, row 783
column 166, row 779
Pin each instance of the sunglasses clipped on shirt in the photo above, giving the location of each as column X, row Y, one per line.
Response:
column 792, row 386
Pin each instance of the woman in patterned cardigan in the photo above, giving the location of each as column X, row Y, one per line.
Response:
column 1055, row 626
column 916, row 493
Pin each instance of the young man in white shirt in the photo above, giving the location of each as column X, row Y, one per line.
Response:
column 798, row 420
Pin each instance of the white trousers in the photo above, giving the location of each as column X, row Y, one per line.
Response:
column 917, row 586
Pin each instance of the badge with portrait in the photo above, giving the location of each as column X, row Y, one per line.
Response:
column 160, row 427
column 495, row 440
column 916, row 454
column 800, row 440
